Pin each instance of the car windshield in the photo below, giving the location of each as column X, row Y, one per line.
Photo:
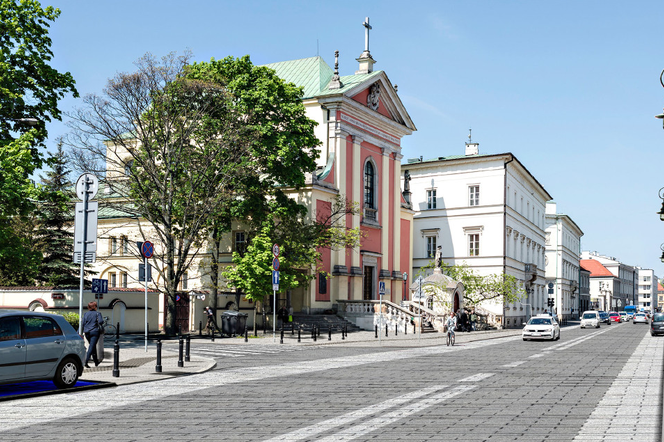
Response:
column 589, row 316
column 640, row 314
column 659, row 317
column 539, row 321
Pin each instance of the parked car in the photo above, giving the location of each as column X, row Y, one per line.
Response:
column 541, row 327
column 38, row 346
column 657, row 324
column 590, row 318
column 640, row 318
column 615, row 317
column 604, row 317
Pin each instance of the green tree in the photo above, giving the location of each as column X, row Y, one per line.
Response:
column 29, row 92
column 56, row 219
column 479, row 289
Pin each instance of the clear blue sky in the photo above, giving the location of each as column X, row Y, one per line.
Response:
column 569, row 87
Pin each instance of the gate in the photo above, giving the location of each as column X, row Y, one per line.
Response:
column 181, row 311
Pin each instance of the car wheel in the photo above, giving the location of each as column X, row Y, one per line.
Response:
column 525, row 339
column 597, row 326
column 67, row 373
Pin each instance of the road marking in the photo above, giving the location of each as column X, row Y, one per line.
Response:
column 477, row 377
column 374, row 424
column 327, row 425
column 31, row 411
column 514, row 364
column 537, row 355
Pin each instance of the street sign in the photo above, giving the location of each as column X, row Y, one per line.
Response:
column 275, row 263
column 141, row 272
column 275, row 280
column 275, row 250
column 381, row 288
column 92, row 184
column 99, row 285
column 89, row 230
column 147, row 249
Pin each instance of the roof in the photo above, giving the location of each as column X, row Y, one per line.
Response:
column 595, row 268
column 314, row 75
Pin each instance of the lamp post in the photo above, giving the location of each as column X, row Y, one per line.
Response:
column 661, row 247
column 661, row 116
column 661, row 210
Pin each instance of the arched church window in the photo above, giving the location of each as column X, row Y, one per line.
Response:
column 369, row 191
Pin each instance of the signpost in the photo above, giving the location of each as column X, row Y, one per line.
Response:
column 419, row 306
column 85, row 231
column 147, row 250
column 381, row 293
column 99, row 287
column 275, row 288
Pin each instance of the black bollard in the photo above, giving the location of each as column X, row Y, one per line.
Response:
column 396, row 329
column 187, row 348
column 116, row 359
column 405, row 329
column 376, row 331
column 299, row 331
column 180, row 351
column 246, row 334
column 117, row 332
column 329, row 333
column 343, row 332
column 212, row 336
column 157, row 367
column 386, row 330
column 413, row 328
column 200, row 328
column 282, row 334
column 315, row 334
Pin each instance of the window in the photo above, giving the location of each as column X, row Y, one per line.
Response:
column 10, row 329
column 474, row 244
column 646, row 278
column 431, row 199
column 125, row 245
column 431, row 246
column 240, row 244
column 36, row 327
column 128, row 166
column 369, row 191
column 113, row 242
column 112, row 280
column 474, row 195
column 185, row 281
column 124, row 279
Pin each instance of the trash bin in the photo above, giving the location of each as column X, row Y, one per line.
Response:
column 233, row 323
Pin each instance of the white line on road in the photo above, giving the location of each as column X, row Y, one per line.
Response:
column 374, row 424
column 320, row 427
column 514, row 364
column 477, row 377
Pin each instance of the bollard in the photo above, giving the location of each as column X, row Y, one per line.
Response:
column 212, row 336
column 180, row 330
column 180, row 351
column 116, row 359
column 396, row 329
column 329, row 333
column 200, row 328
column 157, row 367
column 315, row 334
column 292, row 328
column 386, row 330
column 343, row 332
column 376, row 331
column 299, row 330
column 405, row 329
column 117, row 332
column 413, row 328
column 187, row 348
column 246, row 334
column 282, row 334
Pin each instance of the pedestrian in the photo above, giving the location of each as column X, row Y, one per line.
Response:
column 473, row 320
column 464, row 321
column 211, row 323
column 93, row 326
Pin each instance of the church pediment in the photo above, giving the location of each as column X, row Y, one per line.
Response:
column 378, row 95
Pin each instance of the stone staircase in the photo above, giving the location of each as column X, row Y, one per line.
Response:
column 323, row 322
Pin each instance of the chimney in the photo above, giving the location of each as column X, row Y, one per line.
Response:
column 472, row 149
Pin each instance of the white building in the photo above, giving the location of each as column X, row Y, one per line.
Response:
column 646, row 289
column 624, row 286
column 563, row 245
column 486, row 211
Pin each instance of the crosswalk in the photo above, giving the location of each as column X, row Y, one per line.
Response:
column 237, row 351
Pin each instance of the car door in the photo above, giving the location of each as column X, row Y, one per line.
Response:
column 12, row 349
column 45, row 345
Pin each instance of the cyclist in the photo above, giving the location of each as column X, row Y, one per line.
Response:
column 451, row 325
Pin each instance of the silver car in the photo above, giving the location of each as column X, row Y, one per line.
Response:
column 37, row 346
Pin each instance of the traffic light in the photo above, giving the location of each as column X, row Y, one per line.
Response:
column 550, row 302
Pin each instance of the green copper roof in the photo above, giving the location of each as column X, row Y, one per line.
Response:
column 314, row 75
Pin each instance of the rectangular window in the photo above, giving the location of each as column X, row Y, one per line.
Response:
column 431, row 246
column 114, row 245
column 431, row 199
column 474, row 244
column 125, row 246
column 322, row 283
column 474, row 195
column 124, row 279
column 240, row 245
column 185, row 281
column 112, row 280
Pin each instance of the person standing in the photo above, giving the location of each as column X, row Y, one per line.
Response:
column 473, row 320
column 92, row 325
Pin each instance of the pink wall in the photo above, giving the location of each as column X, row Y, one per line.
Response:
column 362, row 98
column 323, row 209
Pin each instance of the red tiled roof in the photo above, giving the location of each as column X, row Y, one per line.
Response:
column 659, row 287
column 594, row 267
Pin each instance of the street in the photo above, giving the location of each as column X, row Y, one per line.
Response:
column 592, row 384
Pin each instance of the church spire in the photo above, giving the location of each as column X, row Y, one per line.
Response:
column 366, row 60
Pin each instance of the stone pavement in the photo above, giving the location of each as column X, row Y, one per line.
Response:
column 137, row 365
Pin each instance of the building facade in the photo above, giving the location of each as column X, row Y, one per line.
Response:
column 486, row 211
column 563, row 245
column 623, row 288
column 647, row 289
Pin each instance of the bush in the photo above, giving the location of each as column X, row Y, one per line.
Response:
column 72, row 318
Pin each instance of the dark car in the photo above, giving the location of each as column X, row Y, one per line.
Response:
column 38, row 346
column 657, row 324
column 604, row 317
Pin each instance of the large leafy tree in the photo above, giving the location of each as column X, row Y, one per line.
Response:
column 480, row 289
column 29, row 93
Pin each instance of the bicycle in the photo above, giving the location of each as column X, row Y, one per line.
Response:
column 108, row 327
column 450, row 337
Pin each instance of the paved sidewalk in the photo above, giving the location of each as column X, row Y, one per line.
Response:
column 137, row 365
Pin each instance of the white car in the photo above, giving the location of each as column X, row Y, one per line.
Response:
column 640, row 317
column 541, row 327
column 590, row 318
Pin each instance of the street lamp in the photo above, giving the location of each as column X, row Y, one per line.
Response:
column 661, row 211
column 661, row 116
column 661, row 258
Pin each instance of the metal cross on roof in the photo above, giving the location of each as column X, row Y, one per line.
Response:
column 367, row 27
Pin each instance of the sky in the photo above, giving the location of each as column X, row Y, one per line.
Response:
column 569, row 87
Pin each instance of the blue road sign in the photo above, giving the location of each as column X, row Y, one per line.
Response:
column 381, row 288
column 275, row 277
column 275, row 263
column 147, row 249
column 99, row 285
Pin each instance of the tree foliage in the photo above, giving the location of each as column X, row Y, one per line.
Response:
column 485, row 288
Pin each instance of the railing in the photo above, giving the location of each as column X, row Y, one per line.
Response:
column 391, row 315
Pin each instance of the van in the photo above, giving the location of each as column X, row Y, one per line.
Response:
column 590, row 318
